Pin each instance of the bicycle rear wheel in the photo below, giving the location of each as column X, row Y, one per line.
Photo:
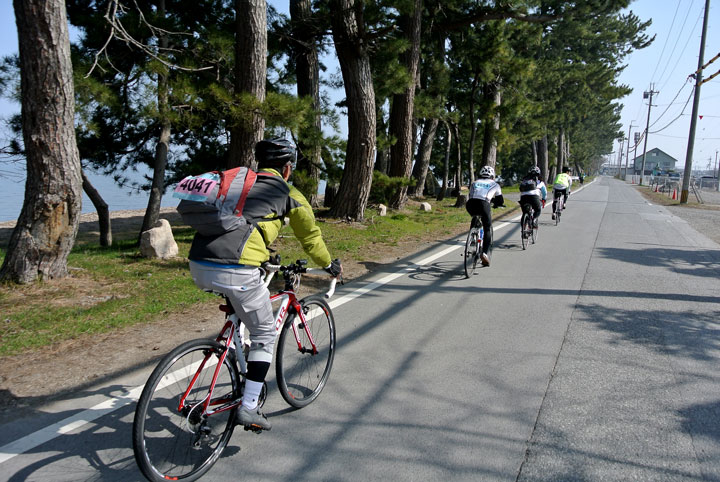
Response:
column 301, row 371
column 472, row 251
column 525, row 229
column 558, row 210
column 174, row 443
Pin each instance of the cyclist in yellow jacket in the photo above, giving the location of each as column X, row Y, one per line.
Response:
column 561, row 187
column 230, row 263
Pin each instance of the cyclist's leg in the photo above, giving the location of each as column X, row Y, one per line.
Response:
column 556, row 196
column 537, row 207
column 472, row 206
column 251, row 299
column 486, row 218
column 566, row 193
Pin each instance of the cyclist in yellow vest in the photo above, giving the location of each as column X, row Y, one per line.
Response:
column 230, row 263
column 561, row 187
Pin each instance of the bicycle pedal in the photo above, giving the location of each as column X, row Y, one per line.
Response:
column 253, row 429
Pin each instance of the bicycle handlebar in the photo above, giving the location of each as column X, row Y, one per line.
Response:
column 297, row 268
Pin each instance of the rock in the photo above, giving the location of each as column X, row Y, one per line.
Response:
column 158, row 242
column 425, row 207
column 382, row 210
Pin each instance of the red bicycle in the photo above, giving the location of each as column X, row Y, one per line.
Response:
column 185, row 415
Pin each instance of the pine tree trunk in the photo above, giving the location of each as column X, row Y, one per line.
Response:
column 401, row 113
column 250, row 77
column 48, row 222
column 354, row 188
column 157, row 189
column 560, row 150
column 493, row 95
column 102, row 210
column 543, row 158
column 420, row 169
column 382, row 154
column 307, row 67
column 533, row 147
column 473, row 127
column 446, row 165
column 459, row 159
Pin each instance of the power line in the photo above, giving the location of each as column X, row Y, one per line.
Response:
column 682, row 28
column 679, row 115
column 685, row 137
column 670, row 104
column 666, row 41
column 684, row 46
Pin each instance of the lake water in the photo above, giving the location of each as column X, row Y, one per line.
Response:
column 12, row 177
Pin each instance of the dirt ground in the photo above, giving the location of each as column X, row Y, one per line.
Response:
column 63, row 368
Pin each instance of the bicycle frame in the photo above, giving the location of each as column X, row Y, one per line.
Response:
column 232, row 336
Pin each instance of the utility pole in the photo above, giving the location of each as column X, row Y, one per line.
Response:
column 696, row 102
column 627, row 156
column 647, row 129
column 717, row 176
column 637, row 141
column 620, row 155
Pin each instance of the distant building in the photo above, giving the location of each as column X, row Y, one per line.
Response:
column 656, row 161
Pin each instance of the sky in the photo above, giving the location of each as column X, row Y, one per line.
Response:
column 665, row 65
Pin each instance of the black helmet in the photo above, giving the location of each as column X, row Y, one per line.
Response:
column 275, row 152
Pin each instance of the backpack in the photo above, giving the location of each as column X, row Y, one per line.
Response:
column 212, row 203
column 528, row 185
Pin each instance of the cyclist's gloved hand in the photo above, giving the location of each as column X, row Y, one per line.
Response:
column 335, row 268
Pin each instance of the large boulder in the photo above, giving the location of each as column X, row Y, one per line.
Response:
column 425, row 207
column 158, row 242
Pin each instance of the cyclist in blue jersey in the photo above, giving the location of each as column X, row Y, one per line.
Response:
column 483, row 191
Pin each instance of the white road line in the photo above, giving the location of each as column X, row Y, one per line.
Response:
column 408, row 269
column 109, row 405
column 83, row 418
column 67, row 425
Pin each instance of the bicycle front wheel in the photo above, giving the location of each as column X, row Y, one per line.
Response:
column 174, row 438
column 535, row 229
column 472, row 252
column 303, row 365
column 525, row 229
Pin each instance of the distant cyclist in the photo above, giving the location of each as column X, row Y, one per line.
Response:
column 561, row 187
column 483, row 191
column 533, row 193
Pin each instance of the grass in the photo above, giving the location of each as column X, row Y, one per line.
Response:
column 115, row 287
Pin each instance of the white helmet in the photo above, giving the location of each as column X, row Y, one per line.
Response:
column 487, row 171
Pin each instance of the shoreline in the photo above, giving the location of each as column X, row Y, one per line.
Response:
column 124, row 223
column 93, row 217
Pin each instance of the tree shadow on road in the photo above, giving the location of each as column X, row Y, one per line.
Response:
column 694, row 261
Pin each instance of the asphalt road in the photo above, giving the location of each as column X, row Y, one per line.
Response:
column 591, row 356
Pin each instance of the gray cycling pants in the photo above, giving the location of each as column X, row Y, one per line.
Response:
column 251, row 300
